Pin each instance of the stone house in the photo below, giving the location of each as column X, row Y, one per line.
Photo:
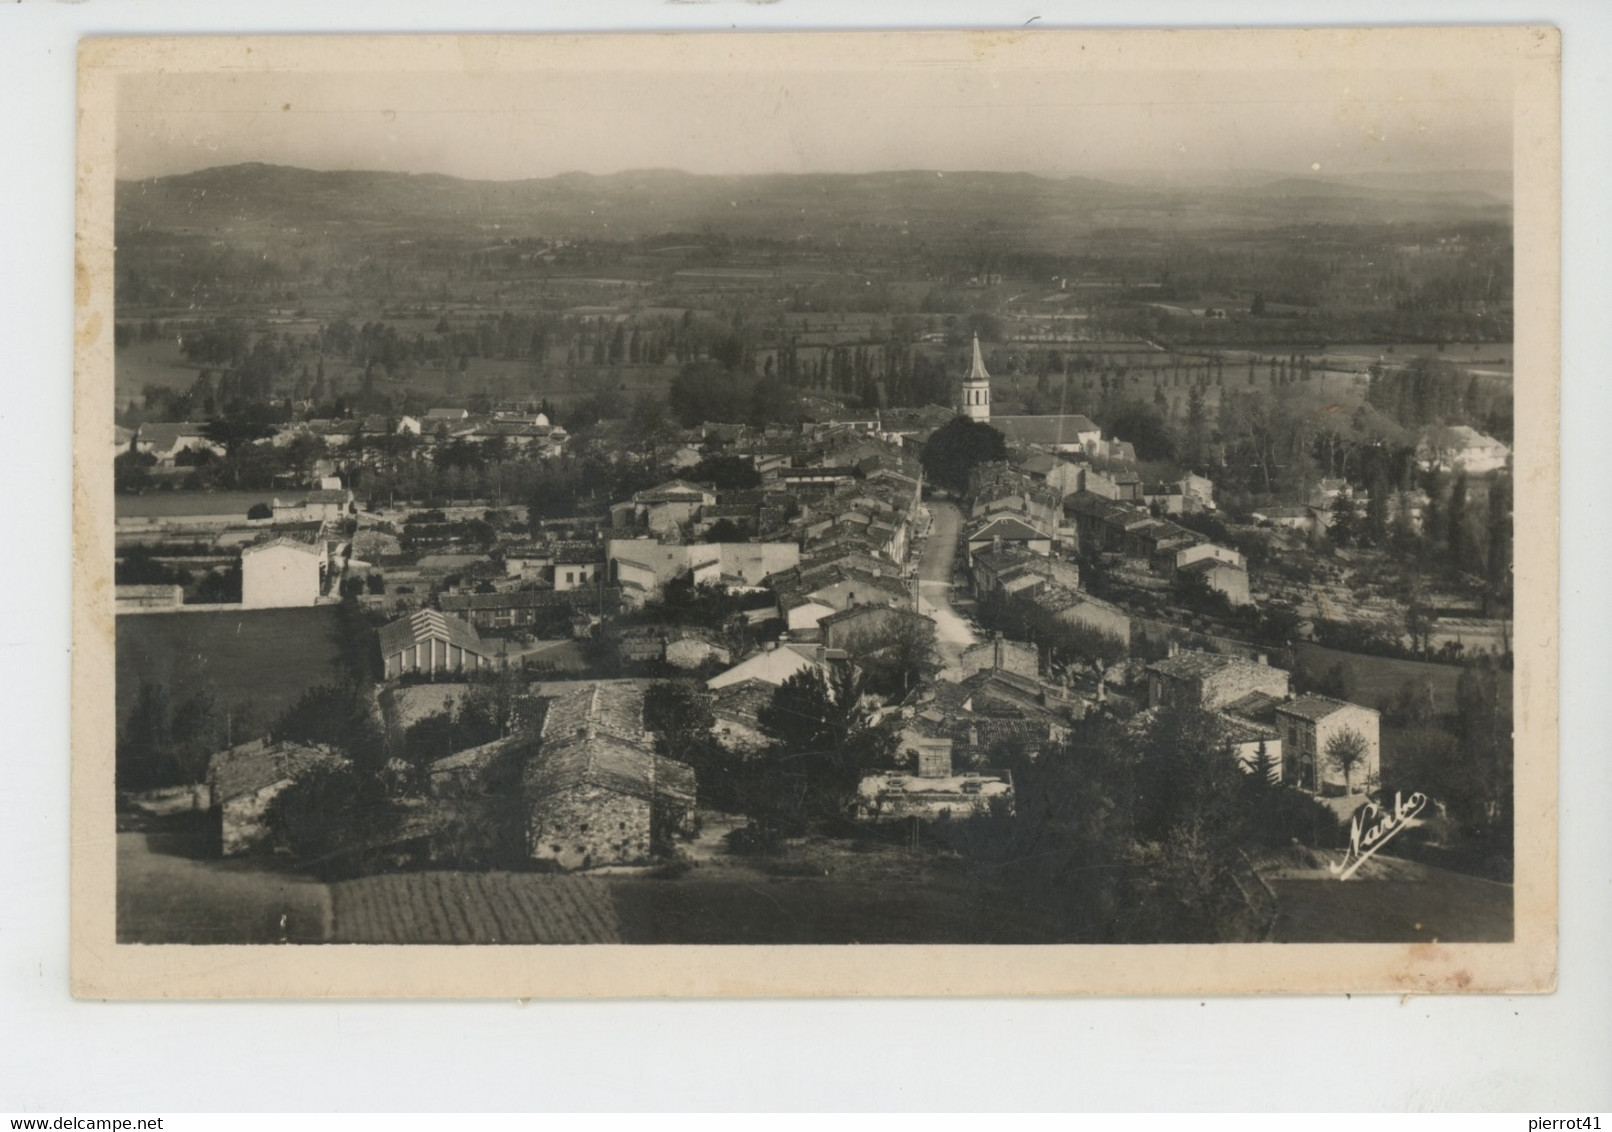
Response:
column 1210, row 681
column 243, row 780
column 1308, row 724
column 596, row 793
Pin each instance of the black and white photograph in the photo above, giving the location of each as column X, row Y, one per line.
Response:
column 1065, row 495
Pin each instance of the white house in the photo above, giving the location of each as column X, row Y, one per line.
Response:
column 282, row 572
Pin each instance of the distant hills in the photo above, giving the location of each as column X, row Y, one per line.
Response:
column 238, row 198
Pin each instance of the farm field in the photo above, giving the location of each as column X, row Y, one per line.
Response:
column 486, row 908
column 165, row 895
column 159, row 362
column 169, row 504
column 1377, row 679
column 265, row 657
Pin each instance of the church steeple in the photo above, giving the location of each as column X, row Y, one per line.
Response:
column 974, row 400
column 977, row 373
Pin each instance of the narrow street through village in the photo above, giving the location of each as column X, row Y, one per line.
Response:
column 935, row 586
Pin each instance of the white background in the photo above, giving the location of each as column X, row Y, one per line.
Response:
column 1547, row 1054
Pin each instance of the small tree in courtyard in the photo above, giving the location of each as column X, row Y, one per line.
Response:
column 1347, row 750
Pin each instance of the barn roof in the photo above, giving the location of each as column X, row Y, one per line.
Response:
column 429, row 624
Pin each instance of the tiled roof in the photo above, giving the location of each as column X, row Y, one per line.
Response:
column 163, row 435
column 1196, row 665
column 250, row 767
column 1256, row 707
column 742, row 701
column 1007, row 528
column 1056, row 599
column 1316, row 708
column 607, row 763
column 598, row 707
column 295, row 540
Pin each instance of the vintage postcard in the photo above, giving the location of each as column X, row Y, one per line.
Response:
column 854, row 514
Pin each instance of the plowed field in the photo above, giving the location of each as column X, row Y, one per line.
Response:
column 449, row 907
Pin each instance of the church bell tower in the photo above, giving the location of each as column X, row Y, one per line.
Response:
column 974, row 400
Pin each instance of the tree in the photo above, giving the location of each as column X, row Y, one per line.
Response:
column 896, row 653
column 726, row 473
column 1347, row 750
column 334, row 715
column 1342, row 527
column 145, row 747
column 823, row 743
column 956, row 448
column 678, row 712
column 724, row 530
column 260, row 511
column 328, row 809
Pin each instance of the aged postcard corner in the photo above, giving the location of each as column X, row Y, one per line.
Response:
column 893, row 514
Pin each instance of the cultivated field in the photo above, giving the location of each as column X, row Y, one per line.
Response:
column 265, row 657
column 453, row 907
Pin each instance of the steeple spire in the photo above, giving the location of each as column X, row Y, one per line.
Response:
column 974, row 396
column 977, row 373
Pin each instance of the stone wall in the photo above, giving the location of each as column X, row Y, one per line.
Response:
column 587, row 826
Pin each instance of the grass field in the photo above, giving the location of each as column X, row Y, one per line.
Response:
column 265, row 657
column 151, row 363
column 167, row 894
column 1376, row 680
column 1444, row 906
column 491, row 908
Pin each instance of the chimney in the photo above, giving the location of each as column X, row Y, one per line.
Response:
column 1102, row 689
column 1262, row 658
column 1175, row 648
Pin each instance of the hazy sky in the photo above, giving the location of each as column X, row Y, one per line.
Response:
column 503, row 126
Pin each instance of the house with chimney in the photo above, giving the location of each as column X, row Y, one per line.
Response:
column 1002, row 654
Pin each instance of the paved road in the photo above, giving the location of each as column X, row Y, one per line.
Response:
column 935, row 586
